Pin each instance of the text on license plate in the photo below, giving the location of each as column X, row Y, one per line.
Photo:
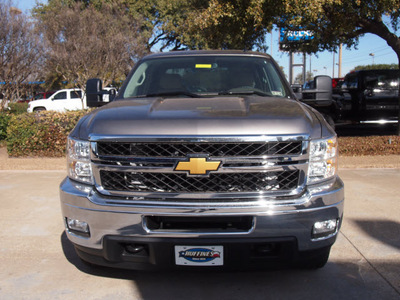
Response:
column 199, row 255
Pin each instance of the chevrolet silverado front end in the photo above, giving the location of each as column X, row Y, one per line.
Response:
column 205, row 159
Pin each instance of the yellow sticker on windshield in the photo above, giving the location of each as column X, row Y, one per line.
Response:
column 203, row 66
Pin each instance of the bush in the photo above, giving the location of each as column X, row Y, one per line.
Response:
column 5, row 116
column 43, row 134
column 4, row 120
column 17, row 108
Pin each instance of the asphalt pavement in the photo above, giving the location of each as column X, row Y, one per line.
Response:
column 38, row 262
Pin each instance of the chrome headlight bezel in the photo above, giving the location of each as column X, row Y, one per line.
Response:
column 323, row 160
column 78, row 161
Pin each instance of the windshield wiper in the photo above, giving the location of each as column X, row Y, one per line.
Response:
column 244, row 92
column 174, row 93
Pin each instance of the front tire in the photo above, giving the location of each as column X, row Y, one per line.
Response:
column 39, row 109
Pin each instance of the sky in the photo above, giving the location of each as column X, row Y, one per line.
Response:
column 322, row 63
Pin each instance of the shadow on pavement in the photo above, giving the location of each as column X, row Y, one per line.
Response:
column 337, row 280
column 73, row 258
column 385, row 231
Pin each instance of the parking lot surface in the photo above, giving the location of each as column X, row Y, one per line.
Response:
column 38, row 262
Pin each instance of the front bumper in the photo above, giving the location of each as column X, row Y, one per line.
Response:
column 286, row 225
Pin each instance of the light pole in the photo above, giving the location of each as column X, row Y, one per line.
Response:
column 373, row 58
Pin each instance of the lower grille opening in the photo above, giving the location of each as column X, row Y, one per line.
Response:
column 266, row 249
column 135, row 249
column 196, row 224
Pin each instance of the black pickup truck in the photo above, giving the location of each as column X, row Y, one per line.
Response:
column 367, row 96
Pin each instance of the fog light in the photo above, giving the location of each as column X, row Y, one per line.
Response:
column 77, row 226
column 324, row 229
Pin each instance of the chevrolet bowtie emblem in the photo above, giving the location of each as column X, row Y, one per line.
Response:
column 197, row 166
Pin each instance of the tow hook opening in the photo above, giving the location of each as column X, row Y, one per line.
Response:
column 133, row 249
column 267, row 249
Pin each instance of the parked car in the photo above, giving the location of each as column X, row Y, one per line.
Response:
column 66, row 99
column 337, row 82
column 63, row 100
column 23, row 100
column 318, row 94
column 366, row 96
column 41, row 95
column 370, row 96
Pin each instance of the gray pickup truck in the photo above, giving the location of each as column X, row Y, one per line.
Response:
column 205, row 159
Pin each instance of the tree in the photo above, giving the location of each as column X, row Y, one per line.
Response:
column 342, row 21
column 234, row 24
column 376, row 67
column 187, row 24
column 85, row 40
column 201, row 24
column 19, row 52
column 299, row 77
column 161, row 19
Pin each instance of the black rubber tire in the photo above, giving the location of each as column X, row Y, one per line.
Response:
column 39, row 109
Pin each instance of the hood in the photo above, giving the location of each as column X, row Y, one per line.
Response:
column 249, row 115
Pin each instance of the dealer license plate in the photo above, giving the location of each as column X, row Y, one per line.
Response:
column 199, row 255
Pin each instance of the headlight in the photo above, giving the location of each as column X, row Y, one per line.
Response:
column 78, row 160
column 323, row 159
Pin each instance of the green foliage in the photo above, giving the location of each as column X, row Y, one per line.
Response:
column 4, row 120
column 5, row 116
column 370, row 145
column 188, row 24
column 377, row 67
column 233, row 24
column 17, row 108
column 326, row 19
column 43, row 134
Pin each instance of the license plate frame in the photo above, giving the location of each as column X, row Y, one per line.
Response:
column 199, row 255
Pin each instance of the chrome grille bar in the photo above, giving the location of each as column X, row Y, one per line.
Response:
column 272, row 166
column 212, row 149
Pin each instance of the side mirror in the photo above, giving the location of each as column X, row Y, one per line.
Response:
column 95, row 93
column 322, row 94
column 113, row 94
column 323, row 86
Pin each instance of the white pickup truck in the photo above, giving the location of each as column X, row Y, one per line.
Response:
column 62, row 100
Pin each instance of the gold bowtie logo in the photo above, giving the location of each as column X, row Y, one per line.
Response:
column 197, row 166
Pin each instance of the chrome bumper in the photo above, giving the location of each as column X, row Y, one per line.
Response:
column 272, row 218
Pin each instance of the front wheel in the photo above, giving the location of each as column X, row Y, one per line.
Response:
column 38, row 109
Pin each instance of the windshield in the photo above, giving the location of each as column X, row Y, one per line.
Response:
column 203, row 76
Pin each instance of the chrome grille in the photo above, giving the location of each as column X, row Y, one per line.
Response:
column 145, row 167
column 216, row 182
column 212, row 149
